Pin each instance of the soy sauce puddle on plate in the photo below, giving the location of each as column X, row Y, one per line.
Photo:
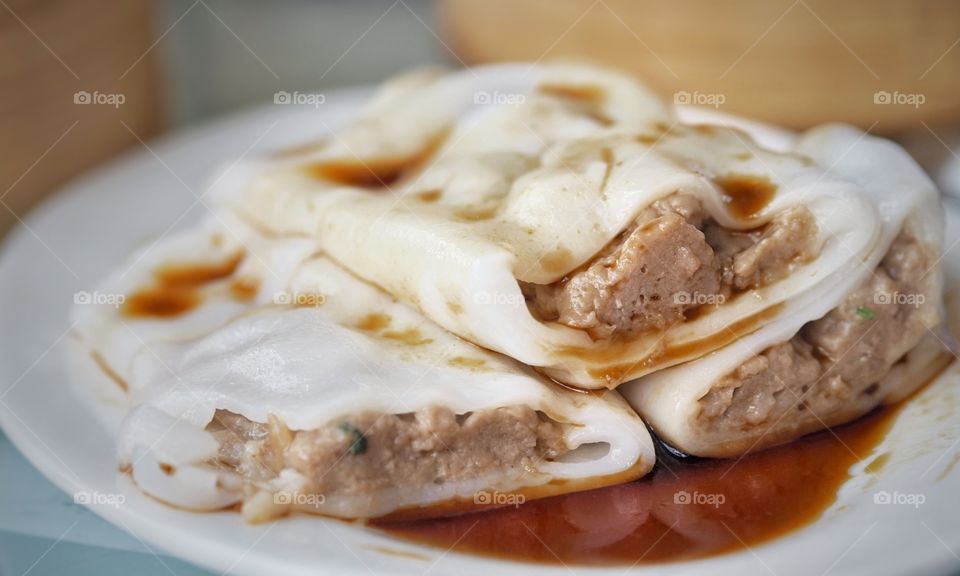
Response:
column 684, row 509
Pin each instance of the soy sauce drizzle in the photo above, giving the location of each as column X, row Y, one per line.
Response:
column 745, row 195
column 685, row 508
column 176, row 288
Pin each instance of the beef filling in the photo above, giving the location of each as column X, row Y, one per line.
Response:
column 835, row 359
column 369, row 451
column 670, row 261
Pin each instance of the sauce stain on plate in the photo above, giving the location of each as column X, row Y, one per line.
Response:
column 686, row 508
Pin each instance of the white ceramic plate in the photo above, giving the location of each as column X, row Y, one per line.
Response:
column 73, row 240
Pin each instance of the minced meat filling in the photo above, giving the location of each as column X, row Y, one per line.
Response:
column 369, row 451
column 833, row 359
column 672, row 260
column 636, row 286
column 760, row 257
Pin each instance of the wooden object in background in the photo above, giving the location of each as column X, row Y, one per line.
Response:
column 793, row 63
column 49, row 51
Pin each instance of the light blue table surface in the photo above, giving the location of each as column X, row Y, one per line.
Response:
column 42, row 532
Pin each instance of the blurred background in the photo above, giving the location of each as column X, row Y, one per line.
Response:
column 84, row 80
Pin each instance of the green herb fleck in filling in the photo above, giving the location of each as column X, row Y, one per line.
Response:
column 359, row 444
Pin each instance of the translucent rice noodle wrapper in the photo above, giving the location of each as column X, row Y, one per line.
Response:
column 872, row 336
column 527, row 209
column 262, row 374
